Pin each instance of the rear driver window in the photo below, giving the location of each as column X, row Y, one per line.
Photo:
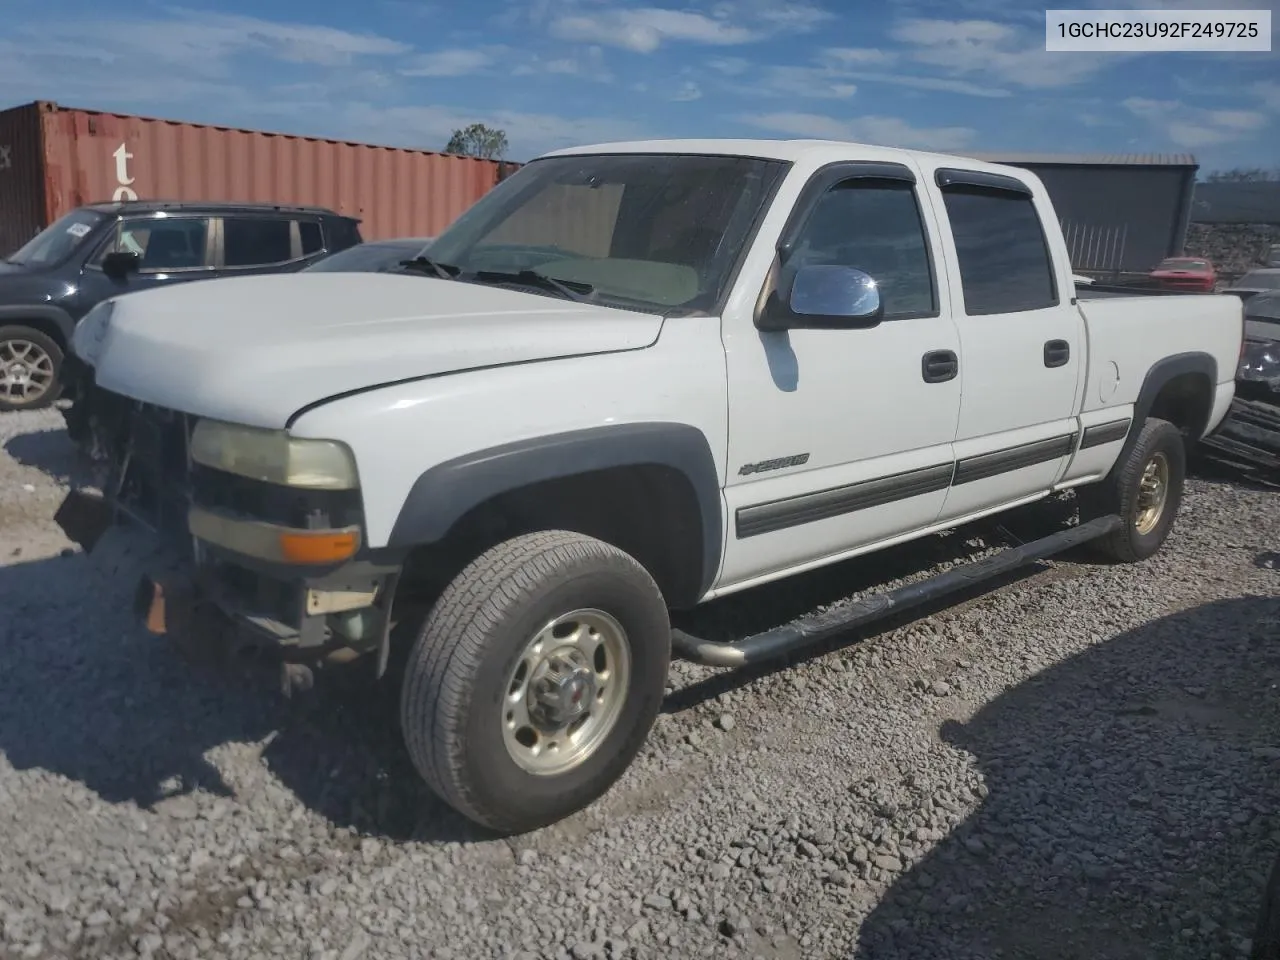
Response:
column 256, row 242
column 1004, row 260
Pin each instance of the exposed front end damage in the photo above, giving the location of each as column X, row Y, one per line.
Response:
column 242, row 565
column 1249, row 436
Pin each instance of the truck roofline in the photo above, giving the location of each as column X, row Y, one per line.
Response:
column 795, row 150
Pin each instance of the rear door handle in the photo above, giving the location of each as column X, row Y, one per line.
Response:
column 1056, row 353
column 939, row 366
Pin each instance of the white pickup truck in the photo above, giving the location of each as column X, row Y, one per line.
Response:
column 631, row 378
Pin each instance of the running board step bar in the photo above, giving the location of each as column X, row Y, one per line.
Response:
column 819, row 626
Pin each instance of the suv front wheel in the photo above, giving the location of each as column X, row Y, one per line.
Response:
column 30, row 369
column 536, row 679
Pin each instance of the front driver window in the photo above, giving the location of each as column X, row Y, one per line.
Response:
column 873, row 226
column 162, row 243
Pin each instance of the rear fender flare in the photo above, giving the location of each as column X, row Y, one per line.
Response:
column 1161, row 372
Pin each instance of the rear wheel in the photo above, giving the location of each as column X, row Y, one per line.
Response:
column 535, row 679
column 30, row 369
column 1145, row 489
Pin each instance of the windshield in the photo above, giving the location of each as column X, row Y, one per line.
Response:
column 369, row 257
column 654, row 232
column 1262, row 279
column 1178, row 264
column 55, row 242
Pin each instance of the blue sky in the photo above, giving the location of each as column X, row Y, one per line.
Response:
column 956, row 75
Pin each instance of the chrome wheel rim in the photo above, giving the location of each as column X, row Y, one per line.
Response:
column 566, row 692
column 1153, row 493
column 26, row 371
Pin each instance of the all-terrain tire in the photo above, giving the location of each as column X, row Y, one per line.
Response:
column 51, row 353
column 1159, row 447
column 455, row 689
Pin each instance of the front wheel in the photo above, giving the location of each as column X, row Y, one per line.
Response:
column 30, row 369
column 1145, row 489
column 535, row 679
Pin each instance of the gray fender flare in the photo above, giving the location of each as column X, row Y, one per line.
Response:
column 446, row 492
column 40, row 311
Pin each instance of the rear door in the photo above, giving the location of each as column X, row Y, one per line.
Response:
column 250, row 244
column 1021, row 338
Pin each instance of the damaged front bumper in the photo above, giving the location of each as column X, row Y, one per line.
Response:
column 240, row 565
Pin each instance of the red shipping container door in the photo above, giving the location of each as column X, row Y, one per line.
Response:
column 22, row 192
column 64, row 158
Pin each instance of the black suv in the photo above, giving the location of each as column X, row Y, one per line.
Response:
column 106, row 249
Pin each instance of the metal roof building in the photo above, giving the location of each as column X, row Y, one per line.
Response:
column 1119, row 212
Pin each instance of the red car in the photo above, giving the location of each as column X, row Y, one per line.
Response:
column 1186, row 273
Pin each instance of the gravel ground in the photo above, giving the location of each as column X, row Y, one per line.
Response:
column 1080, row 763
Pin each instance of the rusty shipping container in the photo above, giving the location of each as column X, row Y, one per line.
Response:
column 54, row 158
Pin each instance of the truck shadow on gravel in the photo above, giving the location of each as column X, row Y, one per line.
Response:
column 50, row 452
column 87, row 695
column 1131, row 810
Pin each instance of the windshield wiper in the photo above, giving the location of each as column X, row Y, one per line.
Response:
column 569, row 289
column 445, row 271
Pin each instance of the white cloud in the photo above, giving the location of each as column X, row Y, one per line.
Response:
column 789, row 16
column 885, row 131
column 997, row 50
column 729, row 66
column 833, row 77
column 1268, row 93
column 643, row 30
column 204, row 44
column 858, row 56
column 1192, row 127
column 588, row 63
column 429, row 127
column 449, row 63
column 688, row 91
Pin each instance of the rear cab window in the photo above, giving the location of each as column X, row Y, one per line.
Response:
column 1001, row 247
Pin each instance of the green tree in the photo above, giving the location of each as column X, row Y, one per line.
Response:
column 478, row 140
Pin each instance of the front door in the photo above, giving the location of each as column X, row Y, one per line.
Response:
column 842, row 438
column 171, row 249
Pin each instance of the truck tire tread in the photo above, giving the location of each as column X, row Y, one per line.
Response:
column 1118, row 493
column 454, row 643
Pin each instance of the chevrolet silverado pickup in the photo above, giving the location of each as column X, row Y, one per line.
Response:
column 630, row 379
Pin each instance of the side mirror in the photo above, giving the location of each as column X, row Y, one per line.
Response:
column 824, row 297
column 120, row 264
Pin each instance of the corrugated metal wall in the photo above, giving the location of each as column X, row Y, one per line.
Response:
column 22, row 197
column 1123, row 217
column 91, row 157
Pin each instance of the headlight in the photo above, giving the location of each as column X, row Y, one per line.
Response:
column 274, row 456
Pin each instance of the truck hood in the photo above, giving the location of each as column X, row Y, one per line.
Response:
column 255, row 350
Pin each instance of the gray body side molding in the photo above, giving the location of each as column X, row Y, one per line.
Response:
column 444, row 493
